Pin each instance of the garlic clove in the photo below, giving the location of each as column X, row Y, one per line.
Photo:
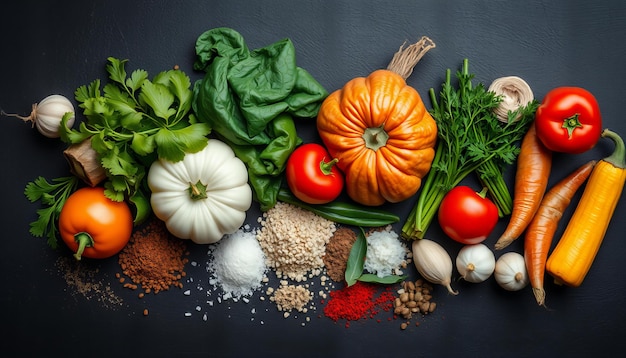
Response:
column 433, row 263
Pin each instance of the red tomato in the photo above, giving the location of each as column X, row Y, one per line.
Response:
column 568, row 120
column 467, row 216
column 311, row 176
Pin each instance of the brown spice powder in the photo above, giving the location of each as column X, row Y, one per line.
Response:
column 153, row 259
column 337, row 253
column 85, row 281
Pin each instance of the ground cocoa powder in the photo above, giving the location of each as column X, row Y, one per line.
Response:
column 337, row 253
column 153, row 259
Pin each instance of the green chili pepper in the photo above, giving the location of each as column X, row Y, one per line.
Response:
column 343, row 213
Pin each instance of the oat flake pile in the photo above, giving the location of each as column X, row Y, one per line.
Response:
column 294, row 240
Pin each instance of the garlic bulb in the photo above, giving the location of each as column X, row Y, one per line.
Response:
column 475, row 263
column 46, row 115
column 510, row 271
column 515, row 93
column 433, row 263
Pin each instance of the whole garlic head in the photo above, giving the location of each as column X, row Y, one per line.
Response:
column 510, row 272
column 475, row 263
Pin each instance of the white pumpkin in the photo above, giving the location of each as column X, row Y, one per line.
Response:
column 202, row 197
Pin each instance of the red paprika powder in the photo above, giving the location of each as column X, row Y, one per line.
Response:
column 359, row 301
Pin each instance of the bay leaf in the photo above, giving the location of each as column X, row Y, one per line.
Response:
column 356, row 259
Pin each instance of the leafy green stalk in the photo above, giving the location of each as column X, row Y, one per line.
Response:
column 490, row 176
column 471, row 139
column 52, row 195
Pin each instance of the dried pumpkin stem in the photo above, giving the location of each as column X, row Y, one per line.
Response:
column 405, row 59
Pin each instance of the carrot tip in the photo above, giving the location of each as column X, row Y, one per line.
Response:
column 502, row 243
column 540, row 296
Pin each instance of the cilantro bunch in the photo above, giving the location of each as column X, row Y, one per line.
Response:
column 52, row 195
column 131, row 122
column 471, row 139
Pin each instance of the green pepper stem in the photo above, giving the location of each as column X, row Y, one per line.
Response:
column 84, row 240
column 618, row 157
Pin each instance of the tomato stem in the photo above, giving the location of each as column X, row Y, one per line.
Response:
column 326, row 167
column 84, row 240
column 571, row 123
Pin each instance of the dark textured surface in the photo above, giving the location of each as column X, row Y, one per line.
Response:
column 54, row 47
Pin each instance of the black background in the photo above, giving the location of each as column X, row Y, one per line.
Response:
column 56, row 46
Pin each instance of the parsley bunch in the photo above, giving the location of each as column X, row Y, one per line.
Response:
column 131, row 122
column 471, row 139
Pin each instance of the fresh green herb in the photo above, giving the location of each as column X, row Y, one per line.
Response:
column 506, row 139
column 131, row 122
column 471, row 139
column 356, row 263
column 52, row 195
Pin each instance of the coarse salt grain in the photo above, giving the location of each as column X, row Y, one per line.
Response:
column 238, row 265
column 385, row 253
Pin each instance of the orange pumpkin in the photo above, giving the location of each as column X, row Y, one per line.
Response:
column 382, row 134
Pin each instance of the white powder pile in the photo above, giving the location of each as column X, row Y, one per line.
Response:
column 238, row 264
column 385, row 253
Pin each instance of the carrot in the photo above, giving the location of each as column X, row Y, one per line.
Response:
column 531, row 179
column 541, row 229
column 575, row 252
